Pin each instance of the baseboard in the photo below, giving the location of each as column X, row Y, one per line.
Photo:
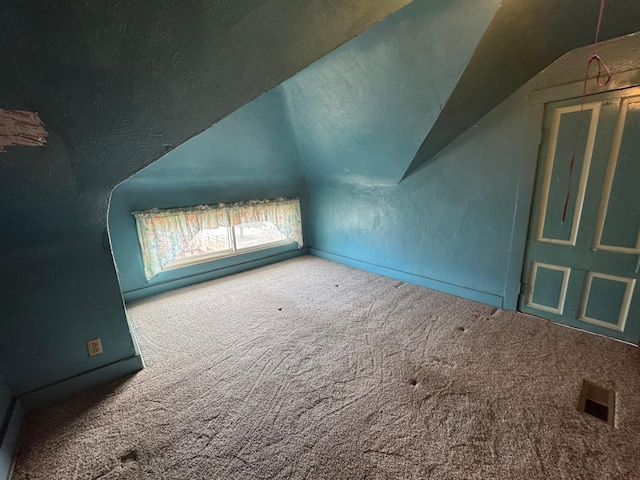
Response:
column 9, row 442
column 476, row 295
column 49, row 395
column 173, row 284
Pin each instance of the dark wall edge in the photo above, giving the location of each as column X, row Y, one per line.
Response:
column 10, row 440
column 214, row 273
column 458, row 291
column 52, row 394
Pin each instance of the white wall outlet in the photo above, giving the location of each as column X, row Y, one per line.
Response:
column 94, row 346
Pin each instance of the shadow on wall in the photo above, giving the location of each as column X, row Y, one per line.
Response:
column 249, row 155
column 458, row 225
column 112, row 88
column 359, row 113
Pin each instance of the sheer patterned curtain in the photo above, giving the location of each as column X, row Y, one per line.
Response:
column 164, row 234
column 283, row 213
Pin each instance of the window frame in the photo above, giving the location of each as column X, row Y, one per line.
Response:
column 164, row 235
column 234, row 251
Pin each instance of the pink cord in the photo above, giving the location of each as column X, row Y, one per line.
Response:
column 595, row 55
column 601, row 65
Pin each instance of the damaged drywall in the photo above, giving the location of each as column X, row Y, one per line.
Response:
column 21, row 128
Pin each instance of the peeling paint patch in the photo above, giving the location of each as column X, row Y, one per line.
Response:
column 19, row 127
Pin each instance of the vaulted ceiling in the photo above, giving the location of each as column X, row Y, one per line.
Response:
column 524, row 37
column 117, row 84
column 359, row 113
column 381, row 106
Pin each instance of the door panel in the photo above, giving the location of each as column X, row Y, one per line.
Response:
column 548, row 287
column 583, row 271
column 606, row 300
column 618, row 226
column 565, row 123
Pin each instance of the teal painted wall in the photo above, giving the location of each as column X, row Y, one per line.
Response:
column 6, row 397
column 7, row 431
column 248, row 155
column 359, row 112
column 126, row 248
column 524, row 37
column 460, row 223
column 117, row 85
column 450, row 224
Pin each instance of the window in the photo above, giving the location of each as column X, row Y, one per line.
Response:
column 251, row 235
column 212, row 243
column 181, row 237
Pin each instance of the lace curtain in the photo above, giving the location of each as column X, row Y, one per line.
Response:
column 163, row 234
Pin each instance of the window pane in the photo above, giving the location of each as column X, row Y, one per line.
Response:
column 207, row 241
column 257, row 233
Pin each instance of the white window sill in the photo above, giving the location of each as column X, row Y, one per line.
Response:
column 198, row 259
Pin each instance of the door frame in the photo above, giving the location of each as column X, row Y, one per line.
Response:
column 528, row 167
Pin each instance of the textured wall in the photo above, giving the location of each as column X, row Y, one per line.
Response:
column 361, row 112
column 250, row 154
column 460, row 223
column 449, row 224
column 6, row 397
column 524, row 37
column 358, row 113
column 118, row 84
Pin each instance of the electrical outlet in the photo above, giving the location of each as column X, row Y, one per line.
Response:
column 94, row 346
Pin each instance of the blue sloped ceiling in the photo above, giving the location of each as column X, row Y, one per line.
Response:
column 118, row 84
column 524, row 37
column 359, row 113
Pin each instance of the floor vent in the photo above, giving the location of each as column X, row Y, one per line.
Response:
column 597, row 402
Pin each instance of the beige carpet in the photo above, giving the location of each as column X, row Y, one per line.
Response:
column 310, row 369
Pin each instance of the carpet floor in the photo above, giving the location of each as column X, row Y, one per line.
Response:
column 313, row 370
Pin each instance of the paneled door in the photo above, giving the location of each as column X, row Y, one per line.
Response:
column 583, row 249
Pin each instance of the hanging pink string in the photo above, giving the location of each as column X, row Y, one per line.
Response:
column 595, row 56
column 601, row 66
